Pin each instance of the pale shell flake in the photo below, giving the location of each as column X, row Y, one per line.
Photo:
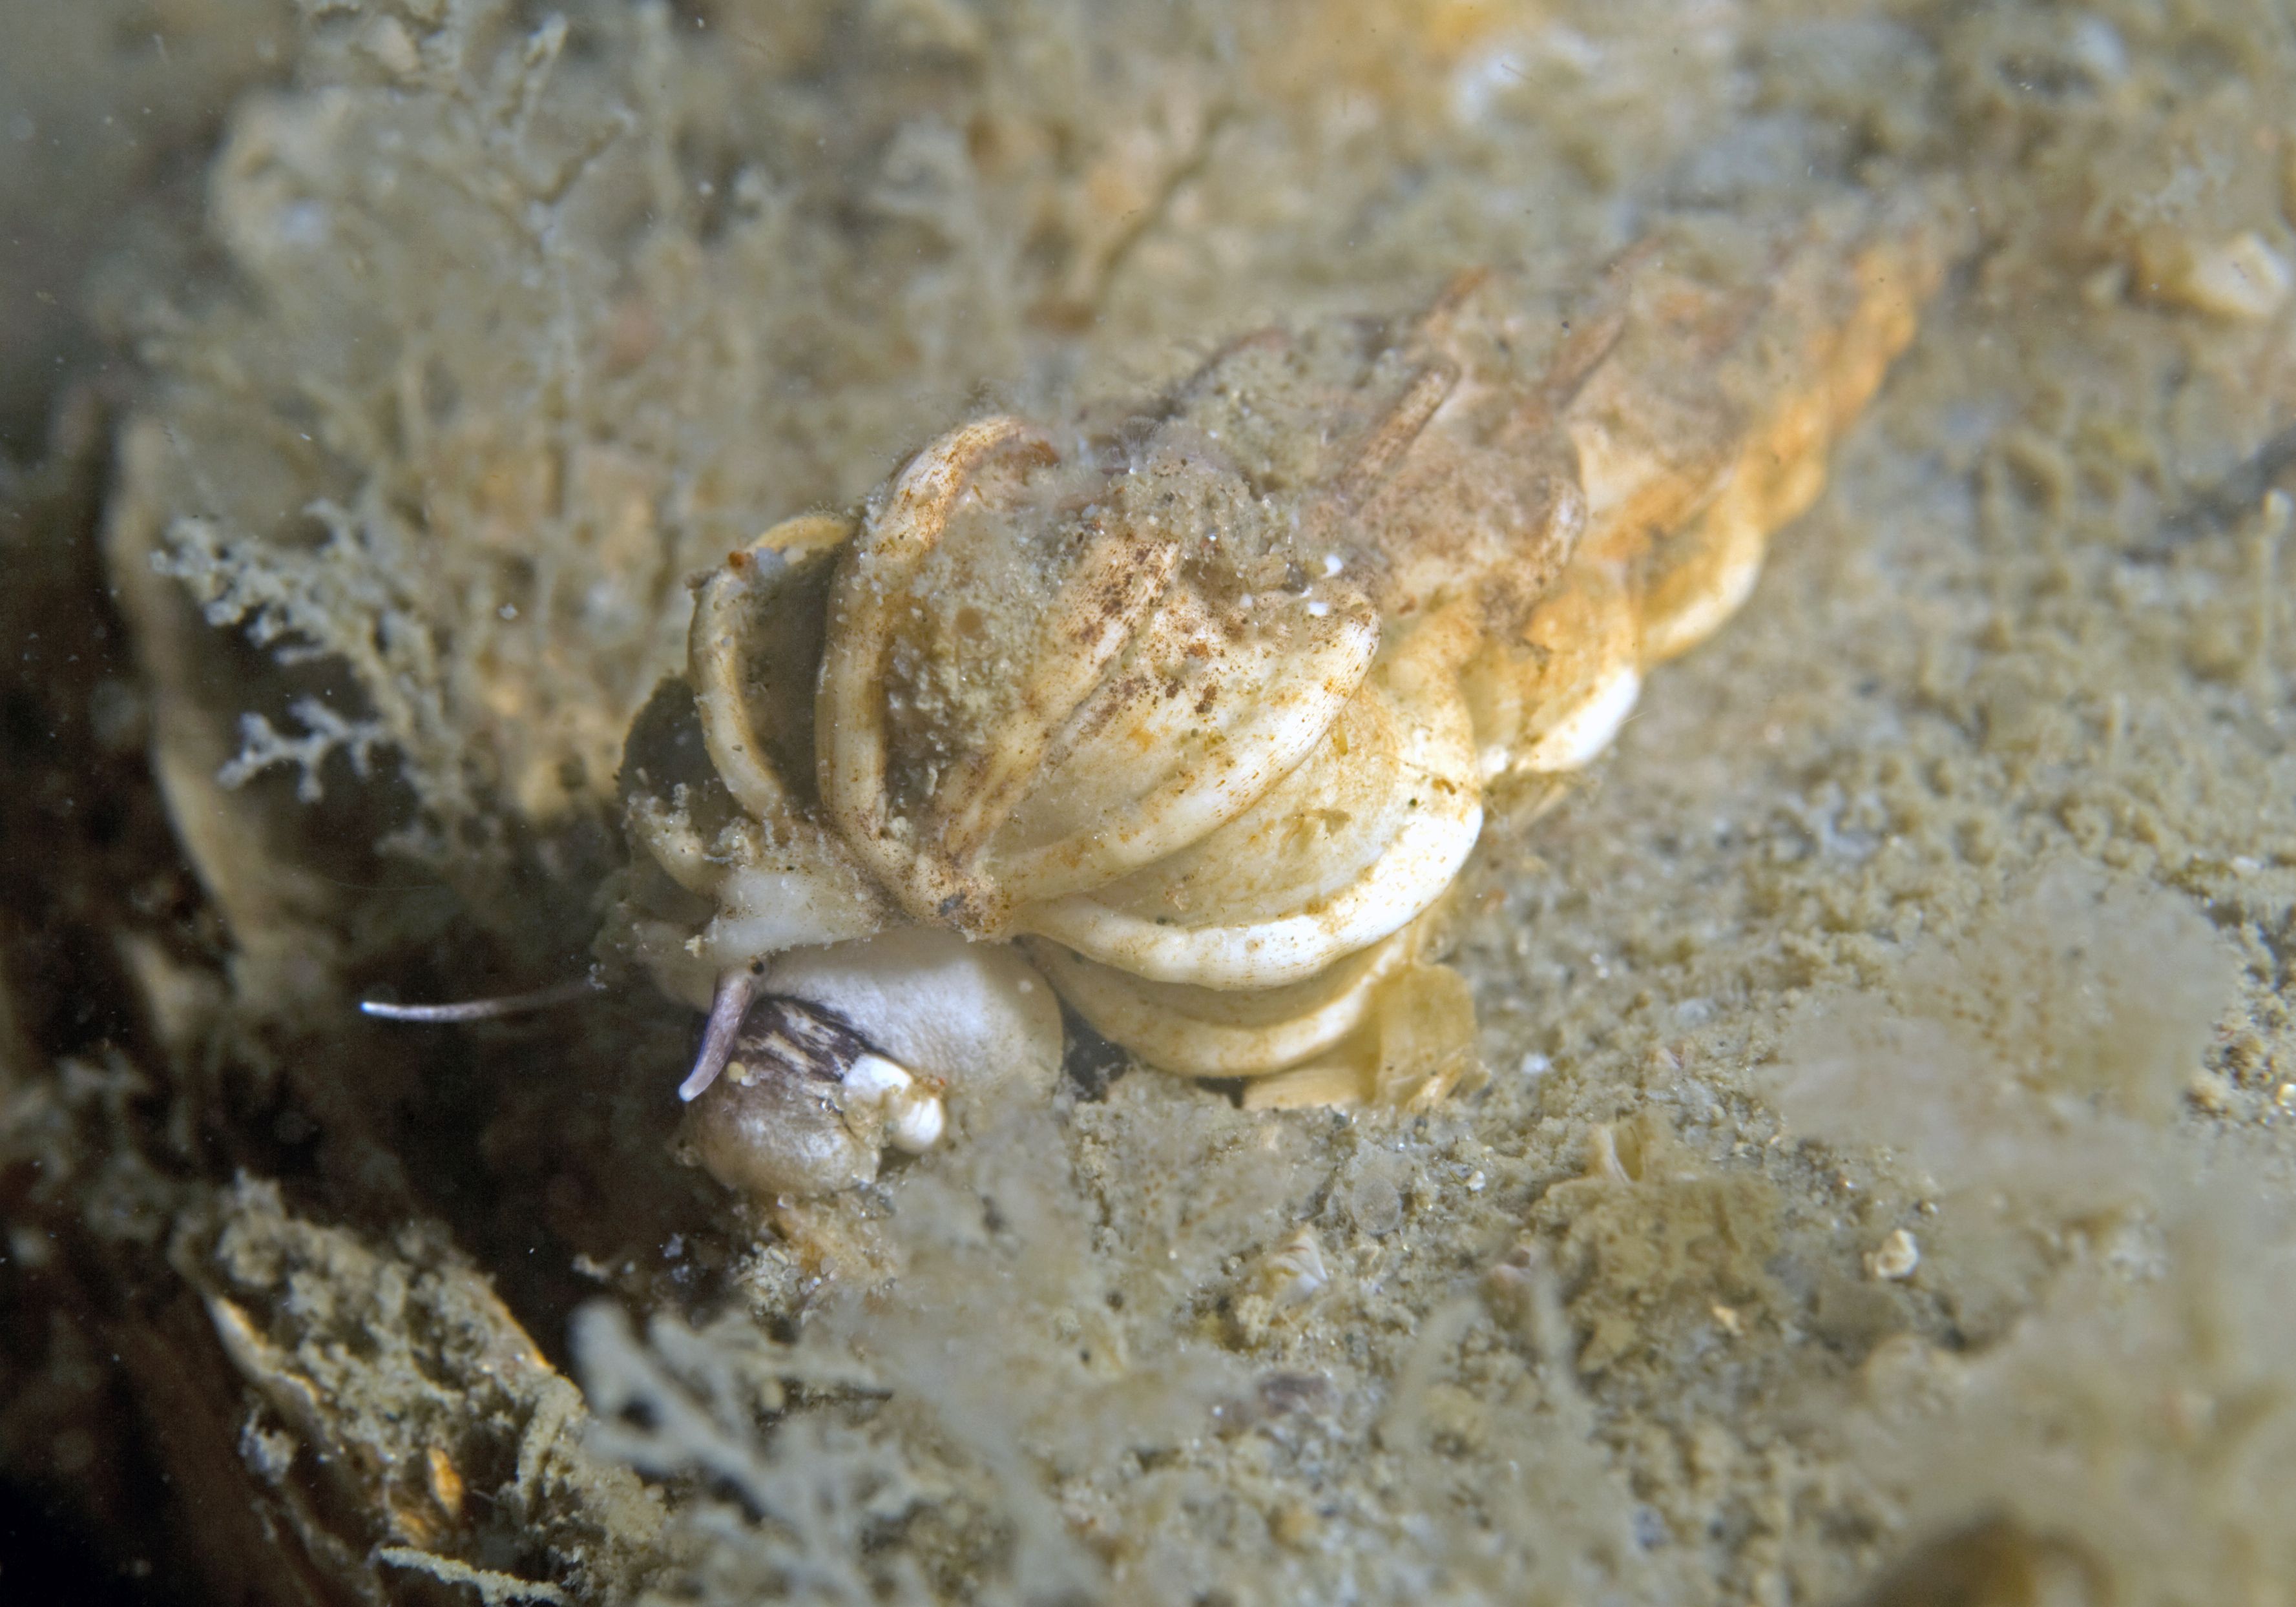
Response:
column 1205, row 709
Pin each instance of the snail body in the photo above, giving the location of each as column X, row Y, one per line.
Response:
column 1198, row 711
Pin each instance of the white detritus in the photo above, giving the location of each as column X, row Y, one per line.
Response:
column 2240, row 278
column 913, row 1116
column 1292, row 1271
column 1896, row 1259
column 916, row 1122
column 872, row 1078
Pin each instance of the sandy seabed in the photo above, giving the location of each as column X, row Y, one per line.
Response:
column 1879, row 1188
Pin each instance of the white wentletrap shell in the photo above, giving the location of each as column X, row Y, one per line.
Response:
column 1190, row 714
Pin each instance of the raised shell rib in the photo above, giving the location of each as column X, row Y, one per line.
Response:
column 1365, row 833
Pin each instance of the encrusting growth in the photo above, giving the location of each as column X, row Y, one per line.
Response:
column 1200, row 710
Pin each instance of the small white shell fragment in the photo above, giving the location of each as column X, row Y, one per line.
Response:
column 916, row 1123
column 389, row 44
column 913, row 1118
column 1895, row 1258
column 1292, row 1272
column 2211, row 1091
column 2240, row 278
column 876, row 1077
column 1603, row 1163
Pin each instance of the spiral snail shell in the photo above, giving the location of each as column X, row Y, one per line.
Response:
column 1198, row 709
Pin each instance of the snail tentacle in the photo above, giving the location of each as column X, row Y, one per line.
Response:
column 727, row 1006
column 456, row 1011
